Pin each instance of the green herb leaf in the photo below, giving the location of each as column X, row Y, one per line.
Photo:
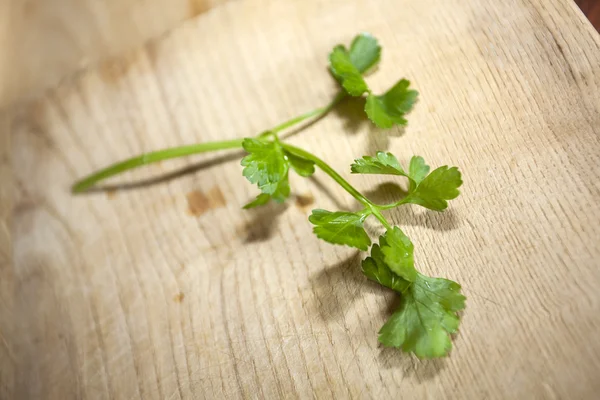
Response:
column 431, row 191
column 375, row 268
column 267, row 166
column 382, row 163
column 389, row 108
column 260, row 200
column 417, row 171
column 436, row 188
column 346, row 73
column 302, row 166
column 426, row 317
column 283, row 191
column 340, row 228
column 397, row 252
column 427, row 313
column 365, row 52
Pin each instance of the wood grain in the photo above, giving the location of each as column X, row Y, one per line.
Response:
column 42, row 42
column 130, row 295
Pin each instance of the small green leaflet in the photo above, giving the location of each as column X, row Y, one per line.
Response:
column 375, row 268
column 260, row 200
column 345, row 72
column 348, row 66
column 428, row 190
column 397, row 252
column 389, row 108
column 426, row 317
column 267, row 165
column 388, row 164
column 302, row 166
column 340, row 228
column 417, row 171
column 382, row 163
column 365, row 52
column 439, row 186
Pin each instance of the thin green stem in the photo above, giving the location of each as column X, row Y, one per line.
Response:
column 394, row 205
column 149, row 158
column 381, row 218
column 331, row 172
column 182, row 151
column 311, row 114
column 371, row 208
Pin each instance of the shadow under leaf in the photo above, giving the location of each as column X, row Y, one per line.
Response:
column 386, row 192
column 379, row 139
column 336, row 286
column 325, row 190
column 440, row 221
column 262, row 221
column 352, row 112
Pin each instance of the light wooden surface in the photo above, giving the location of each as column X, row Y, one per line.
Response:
column 172, row 291
column 41, row 42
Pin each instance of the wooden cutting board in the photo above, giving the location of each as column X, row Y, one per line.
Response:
column 169, row 290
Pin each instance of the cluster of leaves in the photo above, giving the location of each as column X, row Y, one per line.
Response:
column 427, row 315
column 430, row 190
column 349, row 66
column 428, row 311
column 267, row 165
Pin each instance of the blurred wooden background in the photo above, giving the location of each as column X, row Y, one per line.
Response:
column 42, row 42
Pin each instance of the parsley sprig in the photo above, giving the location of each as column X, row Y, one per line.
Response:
column 428, row 311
